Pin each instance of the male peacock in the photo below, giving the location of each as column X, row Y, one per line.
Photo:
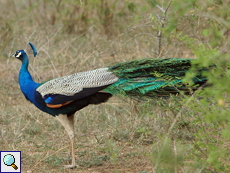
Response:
column 62, row 97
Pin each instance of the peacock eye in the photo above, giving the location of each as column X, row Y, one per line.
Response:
column 18, row 54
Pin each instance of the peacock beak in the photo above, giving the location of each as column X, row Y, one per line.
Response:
column 12, row 56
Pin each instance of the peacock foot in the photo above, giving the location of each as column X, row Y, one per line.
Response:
column 70, row 166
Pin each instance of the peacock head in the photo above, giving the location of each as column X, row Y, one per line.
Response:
column 21, row 54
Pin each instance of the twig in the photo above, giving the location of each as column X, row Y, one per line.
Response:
column 96, row 138
column 160, row 8
column 162, row 22
column 171, row 40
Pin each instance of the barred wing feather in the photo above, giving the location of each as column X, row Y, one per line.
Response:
column 76, row 86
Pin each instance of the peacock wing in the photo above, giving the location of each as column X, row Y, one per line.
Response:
column 61, row 91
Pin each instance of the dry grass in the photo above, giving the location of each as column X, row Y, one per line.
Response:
column 122, row 135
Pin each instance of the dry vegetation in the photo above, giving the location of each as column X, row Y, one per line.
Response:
column 122, row 135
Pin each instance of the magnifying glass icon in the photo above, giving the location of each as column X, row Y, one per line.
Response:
column 9, row 160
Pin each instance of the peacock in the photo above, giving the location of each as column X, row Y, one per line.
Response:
column 63, row 96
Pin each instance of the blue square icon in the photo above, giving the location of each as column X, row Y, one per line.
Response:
column 10, row 161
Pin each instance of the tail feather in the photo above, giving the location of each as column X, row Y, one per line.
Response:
column 152, row 77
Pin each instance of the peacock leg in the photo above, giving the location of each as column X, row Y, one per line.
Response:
column 72, row 141
column 71, row 121
column 68, row 123
column 69, row 150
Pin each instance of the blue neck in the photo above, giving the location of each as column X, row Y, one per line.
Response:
column 26, row 82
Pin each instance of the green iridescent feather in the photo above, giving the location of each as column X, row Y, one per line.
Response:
column 152, row 77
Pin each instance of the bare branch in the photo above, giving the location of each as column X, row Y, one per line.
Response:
column 168, row 7
column 162, row 21
column 160, row 8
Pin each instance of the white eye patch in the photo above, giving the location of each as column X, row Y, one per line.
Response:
column 17, row 55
